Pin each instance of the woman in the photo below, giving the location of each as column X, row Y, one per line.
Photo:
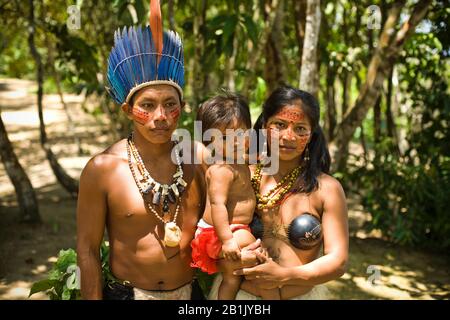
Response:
column 301, row 210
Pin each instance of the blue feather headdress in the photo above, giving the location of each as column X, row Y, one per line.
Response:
column 141, row 58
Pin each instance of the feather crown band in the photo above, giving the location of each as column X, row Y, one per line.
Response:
column 137, row 60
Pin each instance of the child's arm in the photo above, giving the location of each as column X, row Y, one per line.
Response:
column 219, row 179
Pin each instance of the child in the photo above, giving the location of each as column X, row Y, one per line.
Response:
column 230, row 204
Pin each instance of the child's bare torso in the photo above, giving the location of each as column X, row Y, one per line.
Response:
column 241, row 199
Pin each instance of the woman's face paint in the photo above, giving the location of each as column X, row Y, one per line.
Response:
column 292, row 116
column 291, row 127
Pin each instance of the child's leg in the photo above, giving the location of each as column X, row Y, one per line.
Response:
column 243, row 237
column 270, row 294
column 231, row 283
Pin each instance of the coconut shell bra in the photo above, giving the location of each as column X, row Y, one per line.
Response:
column 304, row 232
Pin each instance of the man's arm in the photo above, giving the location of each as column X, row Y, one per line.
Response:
column 91, row 216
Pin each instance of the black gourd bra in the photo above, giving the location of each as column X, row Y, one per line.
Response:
column 304, row 232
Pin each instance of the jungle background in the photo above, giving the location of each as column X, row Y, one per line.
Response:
column 379, row 69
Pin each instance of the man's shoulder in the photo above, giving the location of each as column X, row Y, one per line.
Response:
column 107, row 159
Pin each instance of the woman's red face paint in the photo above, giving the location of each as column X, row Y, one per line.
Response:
column 291, row 115
column 291, row 127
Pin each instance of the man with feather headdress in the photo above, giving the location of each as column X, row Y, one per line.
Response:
column 149, row 204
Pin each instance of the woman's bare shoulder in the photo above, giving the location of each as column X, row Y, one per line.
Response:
column 328, row 184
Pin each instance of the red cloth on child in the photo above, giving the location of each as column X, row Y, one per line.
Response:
column 206, row 247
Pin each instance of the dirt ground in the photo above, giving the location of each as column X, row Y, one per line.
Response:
column 27, row 253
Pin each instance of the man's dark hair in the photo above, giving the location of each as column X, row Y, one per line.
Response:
column 222, row 110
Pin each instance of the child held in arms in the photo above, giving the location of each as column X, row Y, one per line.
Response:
column 224, row 228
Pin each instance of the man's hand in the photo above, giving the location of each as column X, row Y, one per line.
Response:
column 231, row 250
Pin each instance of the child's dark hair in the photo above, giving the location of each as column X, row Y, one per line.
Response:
column 318, row 151
column 222, row 110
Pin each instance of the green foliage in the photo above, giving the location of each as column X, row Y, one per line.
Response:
column 257, row 98
column 407, row 193
column 63, row 280
column 407, row 202
column 61, row 283
column 205, row 281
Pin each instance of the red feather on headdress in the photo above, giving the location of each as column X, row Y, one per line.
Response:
column 156, row 26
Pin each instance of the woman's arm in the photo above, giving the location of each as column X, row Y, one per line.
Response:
column 331, row 265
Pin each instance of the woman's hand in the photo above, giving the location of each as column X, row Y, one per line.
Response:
column 253, row 254
column 268, row 275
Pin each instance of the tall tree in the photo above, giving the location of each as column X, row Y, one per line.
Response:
column 309, row 68
column 26, row 197
column 199, row 78
column 389, row 46
column 70, row 184
column 299, row 15
column 269, row 11
column 275, row 72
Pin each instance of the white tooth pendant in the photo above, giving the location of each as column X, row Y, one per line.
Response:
column 182, row 182
column 175, row 189
column 156, row 187
column 165, row 190
column 178, row 174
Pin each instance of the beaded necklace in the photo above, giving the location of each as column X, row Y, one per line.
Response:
column 172, row 193
column 273, row 198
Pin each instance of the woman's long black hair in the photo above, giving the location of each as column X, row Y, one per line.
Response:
column 318, row 151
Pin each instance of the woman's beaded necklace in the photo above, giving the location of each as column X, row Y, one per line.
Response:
column 273, row 198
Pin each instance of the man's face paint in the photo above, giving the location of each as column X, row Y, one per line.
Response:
column 175, row 114
column 140, row 116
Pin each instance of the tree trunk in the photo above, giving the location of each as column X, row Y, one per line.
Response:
column 230, row 67
column 275, row 66
column 299, row 10
column 363, row 144
column 269, row 11
column 171, row 15
column 29, row 209
column 389, row 47
column 198, row 75
column 391, row 128
column 308, row 71
column 70, row 184
column 377, row 120
column 56, row 77
column 331, row 103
